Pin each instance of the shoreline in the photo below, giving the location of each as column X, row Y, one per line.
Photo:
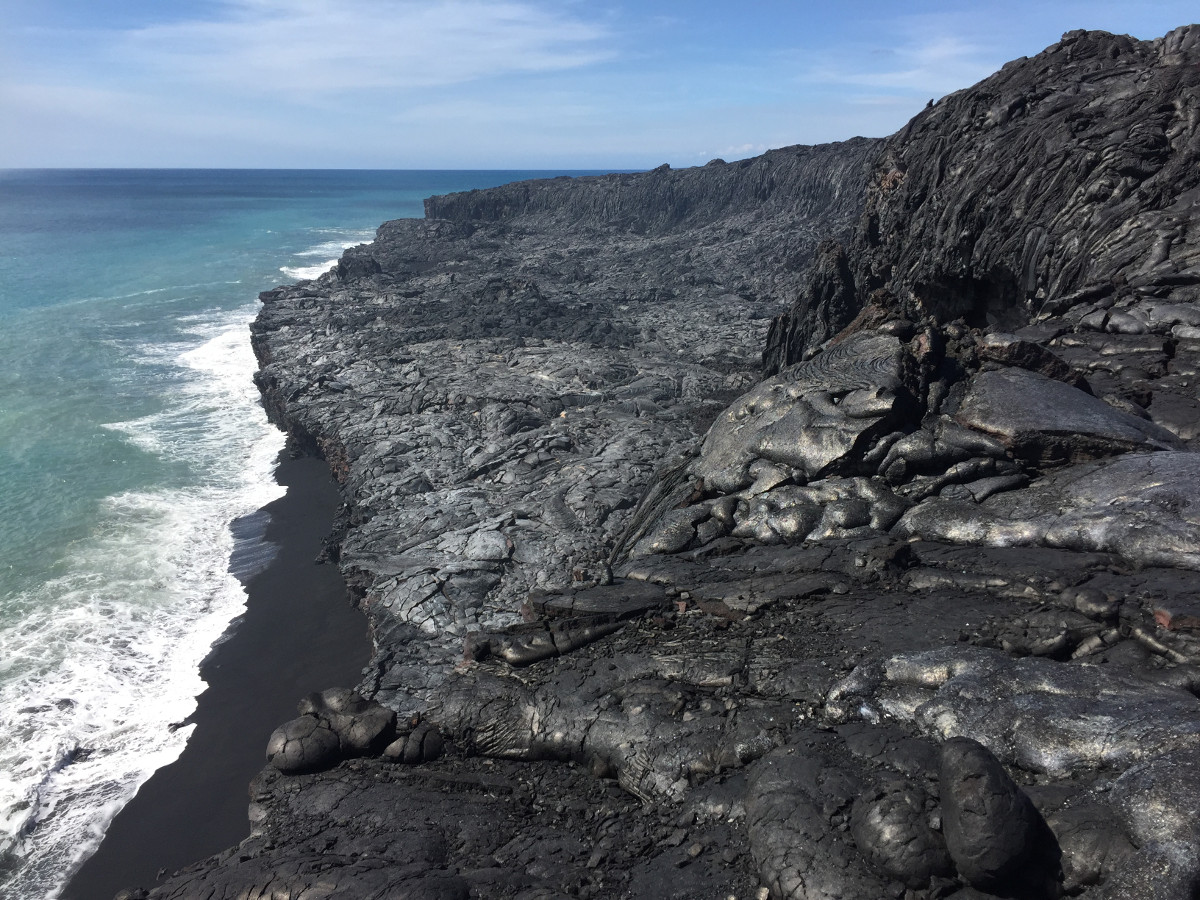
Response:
column 299, row 634
column 910, row 610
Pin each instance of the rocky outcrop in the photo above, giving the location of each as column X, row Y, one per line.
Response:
column 915, row 616
column 500, row 383
column 335, row 724
column 1063, row 181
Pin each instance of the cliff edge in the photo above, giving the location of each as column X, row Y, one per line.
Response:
column 913, row 614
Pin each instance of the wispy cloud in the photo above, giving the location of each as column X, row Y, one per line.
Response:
column 924, row 55
column 322, row 47
column 740, row 151
column 495, row 82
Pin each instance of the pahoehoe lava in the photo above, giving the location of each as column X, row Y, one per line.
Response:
column 821, row 525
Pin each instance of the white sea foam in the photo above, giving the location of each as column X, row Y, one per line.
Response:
column 361, row 234
column 325, row 248
column 106, row 659
column 329, row 251
column 304, row 273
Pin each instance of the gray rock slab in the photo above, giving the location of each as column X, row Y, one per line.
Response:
column 629, row 598
column 808, row 417
column 1034, row 713
column 1144, row 507
column 1044, row 419
column 997, row 839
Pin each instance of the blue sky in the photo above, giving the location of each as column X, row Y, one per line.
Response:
column 496, row 84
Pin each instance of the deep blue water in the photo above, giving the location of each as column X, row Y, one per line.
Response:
column 130, row 438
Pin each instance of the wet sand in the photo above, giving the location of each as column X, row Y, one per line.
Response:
column 299, row 634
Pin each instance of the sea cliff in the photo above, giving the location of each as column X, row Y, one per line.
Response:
column 902, row 605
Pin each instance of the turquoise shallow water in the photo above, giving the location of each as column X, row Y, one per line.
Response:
column 130, row 438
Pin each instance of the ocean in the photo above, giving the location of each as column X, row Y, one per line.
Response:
column 131, row 438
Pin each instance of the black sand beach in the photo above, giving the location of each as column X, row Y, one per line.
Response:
column 299, row 634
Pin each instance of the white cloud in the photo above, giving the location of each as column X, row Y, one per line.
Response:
column 740, row 151
column 484, row 82
column 298, row 82
column 298, row 48
column 926, row 55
